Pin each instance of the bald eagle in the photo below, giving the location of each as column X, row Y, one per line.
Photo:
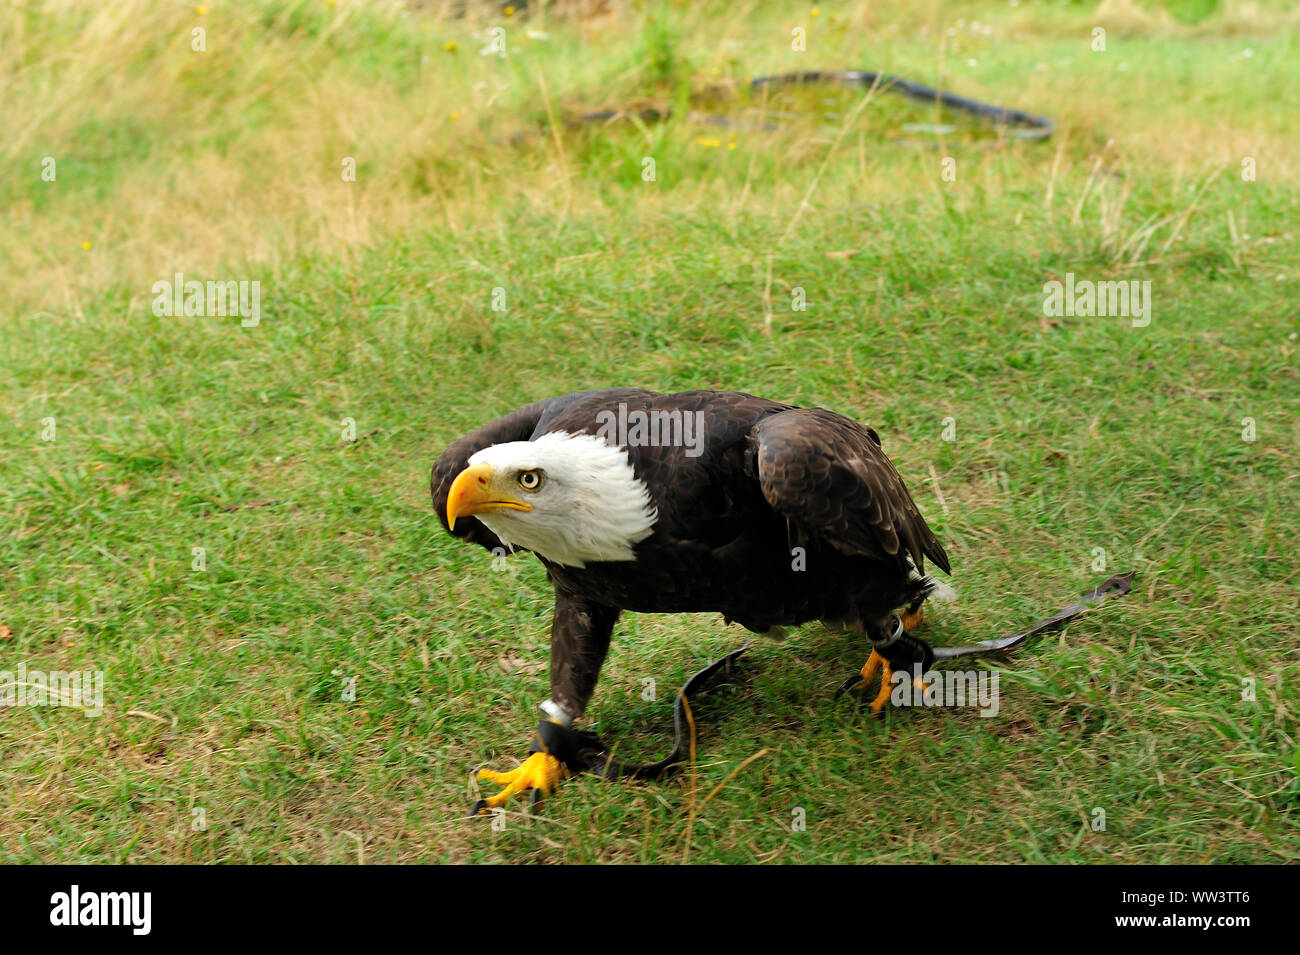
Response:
column 701, row 501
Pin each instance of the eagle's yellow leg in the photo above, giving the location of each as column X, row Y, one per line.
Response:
column 876, row 662
column 873, row 664
column 540, row 771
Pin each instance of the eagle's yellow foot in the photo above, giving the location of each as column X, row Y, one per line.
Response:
column 540, row 773
column 875, row 663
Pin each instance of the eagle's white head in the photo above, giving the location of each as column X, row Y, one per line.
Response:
column 570, row 498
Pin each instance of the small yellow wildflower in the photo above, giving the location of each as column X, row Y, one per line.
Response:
column 509, row 11
column 450, row 46
column 85, row 245
column 201, row 11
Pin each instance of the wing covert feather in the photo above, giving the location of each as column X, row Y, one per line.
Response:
column 829, row 476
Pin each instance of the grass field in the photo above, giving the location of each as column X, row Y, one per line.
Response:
column 1032, row 443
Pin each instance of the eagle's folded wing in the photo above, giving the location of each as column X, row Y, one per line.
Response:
column 830, row 478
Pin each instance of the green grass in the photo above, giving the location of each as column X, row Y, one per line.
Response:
column 324, row 561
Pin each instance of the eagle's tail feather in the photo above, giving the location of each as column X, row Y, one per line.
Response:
column 941, row 591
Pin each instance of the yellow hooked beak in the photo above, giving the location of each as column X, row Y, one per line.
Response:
column 474, row 492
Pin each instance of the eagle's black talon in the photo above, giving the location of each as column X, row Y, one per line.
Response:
column 477, row 809
column 534, row 801
column 851, row 685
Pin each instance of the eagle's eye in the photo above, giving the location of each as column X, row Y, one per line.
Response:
column 530, row 480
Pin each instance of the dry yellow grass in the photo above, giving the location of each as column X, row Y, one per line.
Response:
column 232, row 157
